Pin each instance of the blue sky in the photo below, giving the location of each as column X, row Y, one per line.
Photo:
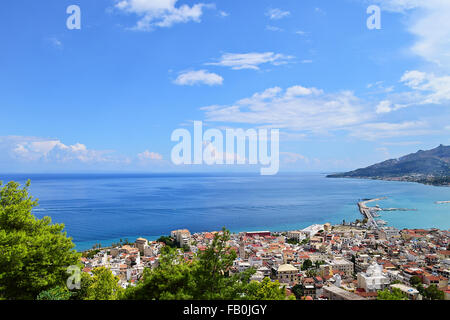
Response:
column 108, row 96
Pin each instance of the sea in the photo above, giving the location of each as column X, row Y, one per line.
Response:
column 104, row 208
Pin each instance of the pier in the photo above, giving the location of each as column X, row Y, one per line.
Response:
column 367, row 212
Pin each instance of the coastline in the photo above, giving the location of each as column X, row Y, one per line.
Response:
column 397, row 179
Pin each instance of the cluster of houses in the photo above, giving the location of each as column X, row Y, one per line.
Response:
column 341, row 262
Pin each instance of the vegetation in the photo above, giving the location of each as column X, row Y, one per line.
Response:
column 415, row 281
column 34, row 253
column 433, row 293
column 56, row 293
column 168, row 241
column 395, row 294
column 206, row 277
column 307, row 264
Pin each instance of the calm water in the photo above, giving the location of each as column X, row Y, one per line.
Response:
column 104, row 208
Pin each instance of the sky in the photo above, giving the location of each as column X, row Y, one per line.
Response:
column 107, row 97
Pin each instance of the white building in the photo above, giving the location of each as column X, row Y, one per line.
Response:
column 311, row 231
column 373, row 279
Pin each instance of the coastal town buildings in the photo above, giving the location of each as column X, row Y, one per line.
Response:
column 339, row 262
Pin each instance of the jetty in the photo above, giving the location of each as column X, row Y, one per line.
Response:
column 368, row 213
column 442, row 202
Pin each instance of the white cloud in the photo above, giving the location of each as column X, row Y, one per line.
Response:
column 300, row 32
column 297, row 108
column 435, row 89
column 383, row 130
column 276, row 14
column 430, row 25
column 31, row 149
column 253, row 60
column 147, row 155
column 161, row 13
column 198, row 77
column 387, row 106
column 273, row 28
column 292, row 157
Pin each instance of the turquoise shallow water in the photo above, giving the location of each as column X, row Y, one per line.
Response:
column 104, row 208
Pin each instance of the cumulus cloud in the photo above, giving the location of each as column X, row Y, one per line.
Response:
column 297, row 108
column 430, row 26
column 198, row 77
column 435, row 89
column 276, row 14
column 31, row 149
column 148, row 156
column 161, row 13
column 253, row 60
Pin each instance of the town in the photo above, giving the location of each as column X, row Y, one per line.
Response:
column 350, row 261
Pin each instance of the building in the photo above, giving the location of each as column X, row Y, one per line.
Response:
column 412, row 293
column 140, row 244
column 311, row 231
column 258, row 234
column 182, row 236
column 335, row 293
column 296, row 235
column 287, row 273
column 343, row 265
column 373, row 279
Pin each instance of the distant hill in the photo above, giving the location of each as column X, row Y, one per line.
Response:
column 429, row 167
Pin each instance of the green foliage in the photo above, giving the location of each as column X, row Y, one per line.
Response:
column 265, row 290
column 103, row 285
column 311, row 273
column 206, row 277
column 168, row 241
column 433, row 293
column 34, row 253
column 91, row 253
column 415, row 281
column 292, row 241
column 56, row 293
column 171, row 280
column 395, row 294
column 304, row 241
column 307, row 264
column 298, row 291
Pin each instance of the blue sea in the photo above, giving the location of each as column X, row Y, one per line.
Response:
column 103, row 208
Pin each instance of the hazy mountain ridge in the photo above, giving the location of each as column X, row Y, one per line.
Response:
column 429, row 167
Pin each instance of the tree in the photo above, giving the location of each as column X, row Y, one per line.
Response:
column 206, row 277
column 103, row 286
column 395, row 294
column 433, row 293
column 56, row 293
column 415, row 281
column 307, row 264
column 34, row 253
column 311, row 273
column 298, row 291
column 265, row 290
column 171, row 280
column 168, row 241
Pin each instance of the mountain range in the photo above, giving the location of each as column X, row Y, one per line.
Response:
column 428, row 167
